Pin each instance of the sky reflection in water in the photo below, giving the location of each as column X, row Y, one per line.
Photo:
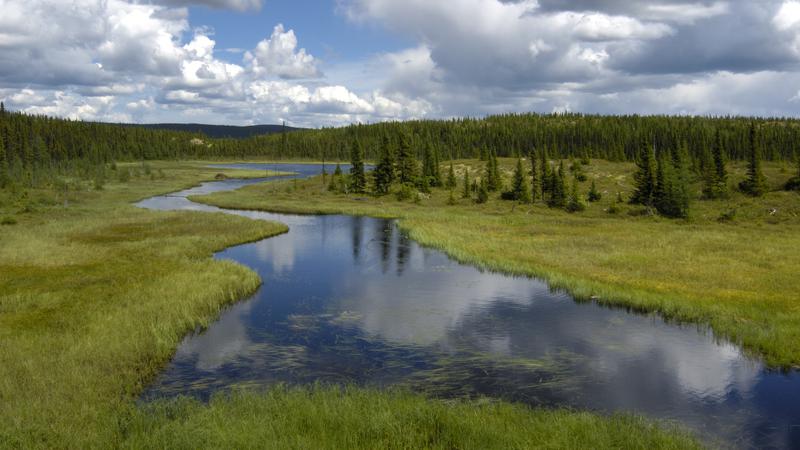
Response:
column 351, row 299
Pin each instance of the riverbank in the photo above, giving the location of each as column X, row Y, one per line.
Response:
column 731, row 266
column 97, row 294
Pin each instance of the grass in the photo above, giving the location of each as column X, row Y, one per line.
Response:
column 732, row 265
column 330, row 418
column 96, row 296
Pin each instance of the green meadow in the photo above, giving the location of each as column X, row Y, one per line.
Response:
column 96, row 295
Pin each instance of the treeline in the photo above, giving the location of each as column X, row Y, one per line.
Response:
column 614, row 138
column 34, row 149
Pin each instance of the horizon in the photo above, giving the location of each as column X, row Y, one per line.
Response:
column 335, row 63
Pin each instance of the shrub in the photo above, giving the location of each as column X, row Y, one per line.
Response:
column 404, row 192
column 8, row 221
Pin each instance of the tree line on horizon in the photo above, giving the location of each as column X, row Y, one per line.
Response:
column 35, row 149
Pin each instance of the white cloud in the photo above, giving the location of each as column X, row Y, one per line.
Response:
column 279, row 56
column 788, row 16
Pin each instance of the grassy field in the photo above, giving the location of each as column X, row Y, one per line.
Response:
column 732, row 265
column 97, row 294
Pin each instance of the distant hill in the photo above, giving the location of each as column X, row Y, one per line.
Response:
column 220, row 131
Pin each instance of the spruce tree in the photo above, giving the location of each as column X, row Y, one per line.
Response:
column 755, row 185
column 575, row 202
column 545, row 173
column 466, row 193
column 594, row 195
column 483, row 191
column 430, row 168
column 406, row 162
column 384, row 171
column 557, row 190
column 451, row 178
column 489, row 175
column 716, row 177
column 645, row 177
column 794, row 183
column 3, row 164
column 358, row 180
column 535, row 183
column 336, row 179
column 519, row 188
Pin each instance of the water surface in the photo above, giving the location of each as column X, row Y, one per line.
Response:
column 353, row 300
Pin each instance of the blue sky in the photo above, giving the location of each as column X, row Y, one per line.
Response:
column 322, row 63
column 319, row 28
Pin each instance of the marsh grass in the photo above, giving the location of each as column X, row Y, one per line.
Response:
column 96, row 296
column 738, row 276
column 351, row 418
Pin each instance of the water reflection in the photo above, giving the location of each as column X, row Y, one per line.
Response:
column 353, row 299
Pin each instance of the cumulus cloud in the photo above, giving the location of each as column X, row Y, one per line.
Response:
column 124, row 59
column 486, row 56
column 279, row 56
column 237, row 5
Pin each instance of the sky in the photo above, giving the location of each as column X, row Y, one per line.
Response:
column 316, row 63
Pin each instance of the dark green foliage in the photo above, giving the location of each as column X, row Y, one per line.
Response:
column 535, row 182
column 451, row 178
column 557, row 192
column 575, row 202
column 430, row 166
column 593, row 195
column 715, row 182
column 384, row 170
column 4, row 176
column 546, row 174
column 451, row 199
column 645, row 177
column 492, row 174
column 755, row 185
column 794, row 183
column 483, row 191
column 671, row 197
column 406, row 162
column 336, row 180
column 405, row 192
column 358, row 180
column 519, row 186
column 466, row 193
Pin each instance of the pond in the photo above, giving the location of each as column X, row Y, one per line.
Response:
column 354, row 300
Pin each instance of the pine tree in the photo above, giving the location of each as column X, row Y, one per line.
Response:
column 384, row 171
column 489, row 175
column 451, row 178
column 430, row 167
column 645, row 177
column 483, row 191
column 716, row 178
column 519, row 188
column 557, row 189
column 466, row 193
column 594, row 195
column 755, row 185
column 3, row 164
column 406, row 162
column 358, row 180
column 575, row 202
column 546, row 173
column 535, row 183
column 336, row 178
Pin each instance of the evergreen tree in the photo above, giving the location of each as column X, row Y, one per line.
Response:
column 3, row 164
column 575, row 202
column 483, row 191
column 755, row 185
column 546, row 173
column 384, row 171
column 358, row 180
column 519, row 187
column 406, row 162
column 336, row 179
column 557, row 191
column 594, row 195
column 467, row 193
column 535, row 183
column 645, row 177
column 716, row 178
column 451, row 178
column 489, row 175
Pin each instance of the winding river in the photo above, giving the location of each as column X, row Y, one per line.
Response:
column 353, row 300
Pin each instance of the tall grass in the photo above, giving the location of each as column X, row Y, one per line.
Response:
column 96, row 296
column 737, row 275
